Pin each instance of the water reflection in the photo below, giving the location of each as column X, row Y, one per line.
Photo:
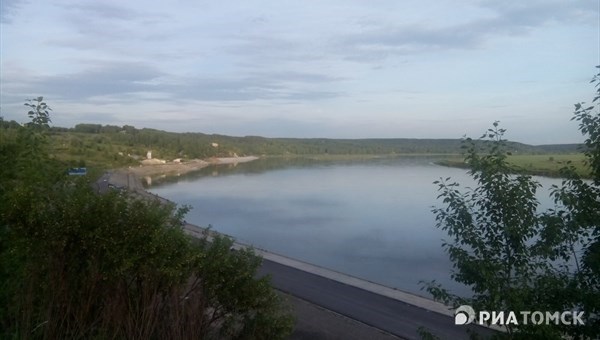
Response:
column 368, row 218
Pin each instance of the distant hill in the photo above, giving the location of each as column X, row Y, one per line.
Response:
column 200, row 145
column 560, row 148
column 122, row 145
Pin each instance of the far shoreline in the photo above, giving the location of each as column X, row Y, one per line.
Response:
column 533, row 165
column 176, row 169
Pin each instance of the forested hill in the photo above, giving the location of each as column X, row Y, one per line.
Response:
column 86, row 141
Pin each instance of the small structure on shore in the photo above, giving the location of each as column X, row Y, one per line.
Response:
column 152, row 161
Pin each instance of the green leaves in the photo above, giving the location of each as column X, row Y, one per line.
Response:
column 514, row 257
column 76, row 264
column 238, row 298
column 492, row 227
column 39, row 114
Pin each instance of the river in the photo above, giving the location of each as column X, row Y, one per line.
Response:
column 368, row 218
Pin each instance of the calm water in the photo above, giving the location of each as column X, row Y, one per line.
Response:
column 371, row 219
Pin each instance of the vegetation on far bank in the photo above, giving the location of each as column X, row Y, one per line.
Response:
column 549, row 165
column 106, row 147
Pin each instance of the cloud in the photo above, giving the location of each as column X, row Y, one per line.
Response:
column 106, row 78
column 105, row 27
column 103, row 11
column 265, row 51
column 297, row 77
column 506, row 19
column 8, row 8
column 111, row 82
column 224, row 89
column 535, row 12
column 250, row 88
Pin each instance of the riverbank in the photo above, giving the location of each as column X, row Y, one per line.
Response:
column 176, row 169
column 535, row 165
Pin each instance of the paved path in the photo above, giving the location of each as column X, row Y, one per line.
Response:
column 390, row 315
column 390, row 310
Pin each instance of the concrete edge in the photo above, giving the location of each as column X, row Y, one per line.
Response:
column 349, row 280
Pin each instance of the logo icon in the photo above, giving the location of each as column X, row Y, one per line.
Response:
column 464, row 315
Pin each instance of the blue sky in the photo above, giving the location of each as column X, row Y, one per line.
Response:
column 338, row 69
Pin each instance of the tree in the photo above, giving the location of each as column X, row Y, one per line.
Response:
column 492, row 228
column 77, row 264
column 572, row 229
column 515, row 258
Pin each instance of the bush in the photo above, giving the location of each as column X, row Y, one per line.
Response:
column 76, row 264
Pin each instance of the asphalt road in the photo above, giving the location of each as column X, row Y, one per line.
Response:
column 387, row 314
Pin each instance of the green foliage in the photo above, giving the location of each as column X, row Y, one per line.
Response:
column 116, row 266
column 24, row 150
column 76, row 264
column 88, row 128
column 572, row 232
column 589, row 125
column 515, row 258
column 543, row 165
column 240, row 302
column 492, row 229
column 39, row 115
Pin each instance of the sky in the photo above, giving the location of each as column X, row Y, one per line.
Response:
column 282, row 68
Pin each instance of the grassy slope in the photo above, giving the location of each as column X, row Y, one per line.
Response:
column 543, row 165
column 93, row 151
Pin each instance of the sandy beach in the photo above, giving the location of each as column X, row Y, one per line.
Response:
column 183, row 167
column 132, row 177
